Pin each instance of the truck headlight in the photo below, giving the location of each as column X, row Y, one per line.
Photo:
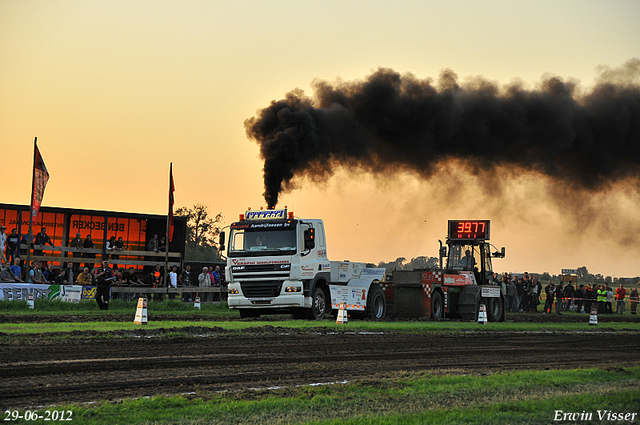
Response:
column 292, row 289
column 233, row 291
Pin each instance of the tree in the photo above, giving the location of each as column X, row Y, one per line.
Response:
column 421, row 262
column 202, row 233
column 583, row 273
column 393, row 265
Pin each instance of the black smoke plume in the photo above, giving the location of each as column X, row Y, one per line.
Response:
column 586, row 140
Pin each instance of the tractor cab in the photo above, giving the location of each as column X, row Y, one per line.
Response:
column 469, row 250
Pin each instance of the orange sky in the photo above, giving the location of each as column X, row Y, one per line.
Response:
column 116, row 90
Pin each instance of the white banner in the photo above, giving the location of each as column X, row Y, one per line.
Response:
column 21, row 291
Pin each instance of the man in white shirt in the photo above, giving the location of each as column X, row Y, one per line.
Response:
column 3, row 242
column 173, row 281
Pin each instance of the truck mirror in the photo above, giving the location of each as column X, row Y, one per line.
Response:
column 443, row 251
column 222, row 238
column 502, row 252
column 309, row 238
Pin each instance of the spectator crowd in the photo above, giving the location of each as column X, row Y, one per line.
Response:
column 525, row 294
column 12, row 248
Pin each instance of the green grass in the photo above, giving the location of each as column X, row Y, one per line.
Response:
column 18, row 329
column 116, row 306
column 402, row 398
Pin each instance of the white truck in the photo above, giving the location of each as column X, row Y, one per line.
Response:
column 278, row 263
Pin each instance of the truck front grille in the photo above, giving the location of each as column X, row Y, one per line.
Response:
column 262, row 289
column 262, row 272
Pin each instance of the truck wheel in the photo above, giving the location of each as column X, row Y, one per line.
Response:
column 436, row 306
column 495, row 306
column 245, row 313
column 376, row 303
column 318, row 305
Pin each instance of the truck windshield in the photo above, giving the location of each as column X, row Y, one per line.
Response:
column 464, row 257
column 250, row 242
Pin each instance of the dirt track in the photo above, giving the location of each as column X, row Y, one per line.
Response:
column 41, row 372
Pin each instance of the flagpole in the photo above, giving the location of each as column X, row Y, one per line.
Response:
column 33, row 186
column 166, row 250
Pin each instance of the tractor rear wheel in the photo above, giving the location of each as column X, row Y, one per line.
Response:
column 495, row 307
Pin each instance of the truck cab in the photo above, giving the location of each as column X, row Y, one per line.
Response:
column 277, row 263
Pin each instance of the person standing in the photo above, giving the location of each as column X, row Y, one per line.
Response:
column 42, row 239
column 519, row 293
column 104, row 278
column 538, row 293
column 3, row 243
column 173, row 281
column 77, row 244
column 559, row 297
column 511, row 296
column 602, row 299
column 26, row 243
column 579, row 296
column 204, row 281
column 88, row 244
column 185, row 280
column 569, row 295
column 110, row 246
column 633, row 300
column 152, row 245
column 215, row 281
column 12, row 245
column 620, row 294
column 609, row 299
column 591, row 297
column 118, row 246
column 548, row 290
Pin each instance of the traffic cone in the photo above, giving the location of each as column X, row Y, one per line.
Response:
column 141, row 312
column 197, row 303
column 593, row 319
column 482, row 315
column 342, row 318
column 30, row 303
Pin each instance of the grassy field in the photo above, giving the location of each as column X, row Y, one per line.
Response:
column 90, row 318
column 443, row 397
column 448, row 397
column 18, row 329
column 116, row 307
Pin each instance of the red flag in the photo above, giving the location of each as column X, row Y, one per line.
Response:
column 172, row 189
column 40, row 179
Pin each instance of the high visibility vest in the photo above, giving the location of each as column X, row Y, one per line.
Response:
column 602, row 295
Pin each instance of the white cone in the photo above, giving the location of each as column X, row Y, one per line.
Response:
column 593, row 319
column 141, row 312
column 482, row 315
column 342, row 318
column 197, row 303
column 30, row 303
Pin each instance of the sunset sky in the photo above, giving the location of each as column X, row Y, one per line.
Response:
column 116, row 90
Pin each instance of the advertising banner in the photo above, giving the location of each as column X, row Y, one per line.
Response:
column 21, row 291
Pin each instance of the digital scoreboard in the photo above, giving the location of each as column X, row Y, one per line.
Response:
column 468, row 230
